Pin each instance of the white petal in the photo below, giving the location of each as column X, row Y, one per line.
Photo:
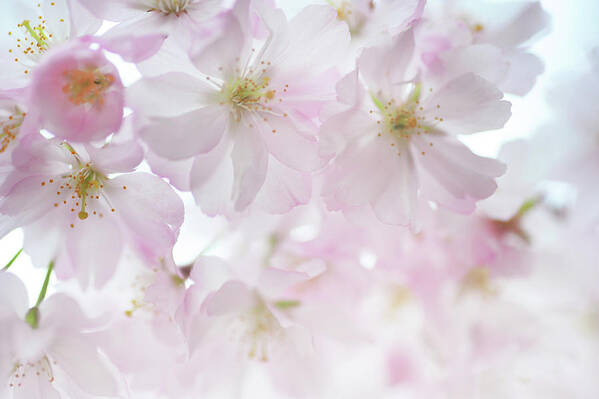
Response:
column 79, row 358
column 397, row 204
column 467, row 104
column 183, row 136
column 171, row 94
column 13, row 295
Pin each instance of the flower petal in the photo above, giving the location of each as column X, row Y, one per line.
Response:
column 397, row 203
column 116, row 157
column 13, row 295
column 94, row 248
column 250, row 162
column 133, row 48
column 463, row 174
column 382, row 67
column 192, row 133
column 222, row 56
column 467, row 104
column 211, row 180
column 292, row 147
column 151, row 210
column 350, row 180
column 80, row 359
column 115, row 10
column 182, row 92
column 284, row 189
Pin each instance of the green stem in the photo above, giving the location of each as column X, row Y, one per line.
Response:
column 12, row 260
column 42, row 295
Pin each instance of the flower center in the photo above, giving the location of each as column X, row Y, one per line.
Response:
column 10, row 128
column 21, row 372
column 401, row 120
column 247, row 94
column 257, row 331
column 168, row 7
column 262, row 328
column 354, row 20
column 32, row 40
column 86, row 86
column 478, row 279
column 80, row 190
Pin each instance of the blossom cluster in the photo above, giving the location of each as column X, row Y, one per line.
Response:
column 345, row 242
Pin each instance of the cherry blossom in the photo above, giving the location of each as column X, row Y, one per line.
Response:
column 495, row 35
column 343, row 236
column 71, row 198
column 396, row 138
column 36, row 27
column 254, row 107
column 45, row 351
column 182, row 21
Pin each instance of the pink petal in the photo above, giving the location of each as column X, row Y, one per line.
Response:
column 211, row 180
column 356, row 177
column 337, row 130
column 383, row 67
column 289, row 145
column 284, row 189
column 116, row 157
column 115, row 10
column 82, row 21
column 94, row 248
column 192, row 133
column 177, row 172
column 523, row 73
column 80, row 359
column 462, row 173
column 250, row 162
column 28, row 200
column 13, row 295
column 316, row 40
column 513, row 24
column 467, row 104
column 133, row 48
column 150, row 209
column 233, row 296
column 275, row 283
column 221, row 57
column 184, row 92
column 397, row 203
column 349, row 89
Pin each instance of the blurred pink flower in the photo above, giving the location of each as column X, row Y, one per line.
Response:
column 59, row 354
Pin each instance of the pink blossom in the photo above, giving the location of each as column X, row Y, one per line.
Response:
column 70, row 196
column 239, row 314
column 77, row 94
column 180, row 20
column 254, row 101
column 396, row 138
column 370, row 21
column 44, row 357
column 492, row 39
